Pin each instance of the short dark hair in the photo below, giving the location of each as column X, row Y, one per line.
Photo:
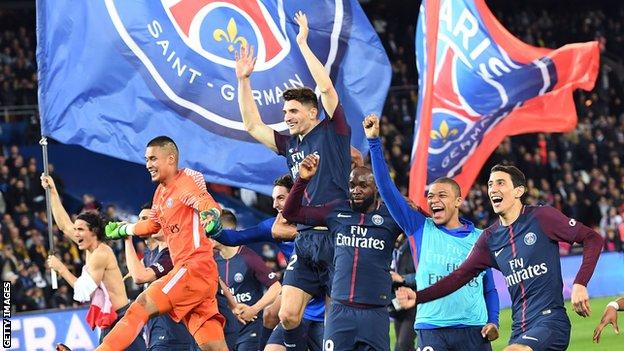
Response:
column 362, row 169
column 451, row 181
column 161, row 141
column 165, row 142
column 95, row 222
column 228, row 216
column 304, row 95
column 517, row 177
column 286, row 181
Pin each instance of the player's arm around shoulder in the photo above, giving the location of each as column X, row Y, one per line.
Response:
column 282, row 230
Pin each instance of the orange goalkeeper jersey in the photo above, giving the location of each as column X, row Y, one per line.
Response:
column 175, row 209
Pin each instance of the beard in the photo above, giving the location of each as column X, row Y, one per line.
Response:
column 364, row 205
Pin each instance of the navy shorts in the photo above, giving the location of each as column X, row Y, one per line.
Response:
column 352, row 328
column 165, row 334
column 174, row 347
column 452, row 339
column 547, row 333
column 249, row 336
column 313, row 332
column 138, row 344
column 311, row 267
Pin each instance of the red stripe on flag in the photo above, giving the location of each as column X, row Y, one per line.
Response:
column 418, row 172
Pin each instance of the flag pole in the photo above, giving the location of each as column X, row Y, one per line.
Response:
column 44, row 147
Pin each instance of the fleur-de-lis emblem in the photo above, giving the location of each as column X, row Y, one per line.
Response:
column 444, row 133
column 231, row 36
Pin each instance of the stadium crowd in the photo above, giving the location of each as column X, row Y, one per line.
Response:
column 580, row 172
column 18, row 69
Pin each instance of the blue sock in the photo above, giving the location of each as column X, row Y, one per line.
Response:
column 293, row 339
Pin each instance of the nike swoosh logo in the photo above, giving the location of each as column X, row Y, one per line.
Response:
column 525, row 337
column 290, row 345
column 340, row 215
column 496, row 253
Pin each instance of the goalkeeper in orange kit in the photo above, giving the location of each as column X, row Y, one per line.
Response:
column 186, row 212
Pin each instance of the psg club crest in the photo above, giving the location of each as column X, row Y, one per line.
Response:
column 530, row 238
column 185, row 51
column 377, row 219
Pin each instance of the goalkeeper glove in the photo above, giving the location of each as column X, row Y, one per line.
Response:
column 116, row 230
column 212, row 222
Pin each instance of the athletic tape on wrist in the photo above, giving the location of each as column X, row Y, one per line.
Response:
column 614, row 304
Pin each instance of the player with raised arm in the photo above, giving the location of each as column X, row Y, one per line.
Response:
column 100, row 281
column 185, row 212
column 468, row 318
column 364, row 234
column 523, row 245
column 309, row 271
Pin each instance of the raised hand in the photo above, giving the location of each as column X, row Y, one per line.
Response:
column 309, row 166
column 47, row 182
column 371, row 126
column 245, row 62
column 302, row 21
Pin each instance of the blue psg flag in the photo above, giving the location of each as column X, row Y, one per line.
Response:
column 113, row 74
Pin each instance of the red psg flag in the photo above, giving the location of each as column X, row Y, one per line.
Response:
column 485, row 85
